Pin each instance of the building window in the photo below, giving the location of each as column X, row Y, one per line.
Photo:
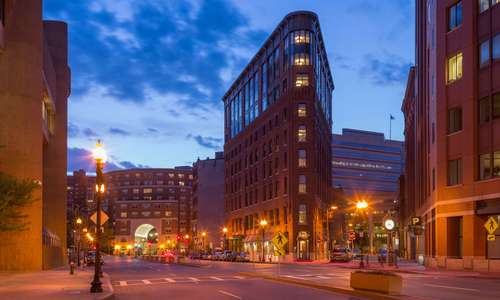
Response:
column 455, row 67
column 302, row 80
column 485, row 166
column 301, row 110
column 123, row 214
column 496, row 164
column 496, row 106
column 135, row 191
column 302, row 158
column 484, row 110
column 454, row 120
column 433, row 179
column 495, row 49
column 483, row 5
column 181, row 183
column 302, row 214
column 301, row 37
column 433, row 133
column 301, row 133
column 302, row 184
column 484, row 53
column 301, row 59
column 455, row 16
column 454, row 172
column 147, row 191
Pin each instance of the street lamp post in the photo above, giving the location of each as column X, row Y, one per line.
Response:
column 328, row 238
column 263, row 224
column 224, row 230
column 100, row 158
column 78, row 224
column 362, row 205
column 203, row 234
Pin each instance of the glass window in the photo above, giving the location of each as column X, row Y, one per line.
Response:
column 181, row 183
column 454, row 172
column 123, row 214
column 301, row 110
column 302, row 80
column 484, row 53
column 485, row 166
column 496, row 164
column 455, row 16
column 302, row 134
column 483, row 5
column 495, row 49
column 302, row 214
column 496, row 106
column 301, row 59
column 301, row 37
column 135, row 191
column 484, row 110
column 455, row 67
column 454, row 120
column 147, row 191
column 302, row 184
column 302, row 158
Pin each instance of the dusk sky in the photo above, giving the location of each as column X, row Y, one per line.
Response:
column 148, row 76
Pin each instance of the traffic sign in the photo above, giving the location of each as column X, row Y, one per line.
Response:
column 352, row 235
column 491, row 225
column 104, row 217
column 279, row 240
column 279, row 252
column 491, row 237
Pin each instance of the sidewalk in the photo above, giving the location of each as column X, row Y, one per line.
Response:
column 52, row 284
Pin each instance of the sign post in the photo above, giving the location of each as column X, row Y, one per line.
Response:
column 491, row 226
column 279, row 241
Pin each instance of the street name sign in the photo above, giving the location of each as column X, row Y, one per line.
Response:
column 104, row 217
column 491, row 237
column 491, row 225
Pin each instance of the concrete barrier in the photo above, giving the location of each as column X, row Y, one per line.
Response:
column 377, row 281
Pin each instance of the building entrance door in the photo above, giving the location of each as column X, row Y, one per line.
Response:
column 303, row 249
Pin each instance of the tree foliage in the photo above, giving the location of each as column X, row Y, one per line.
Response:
column 15, row 194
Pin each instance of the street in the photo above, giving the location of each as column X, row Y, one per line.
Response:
column 135, row 278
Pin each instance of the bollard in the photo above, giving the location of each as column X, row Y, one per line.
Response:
column 72, row 268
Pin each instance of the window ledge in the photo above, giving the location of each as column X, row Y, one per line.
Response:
column 492, row 179
column 455, row 133
column 454, row 186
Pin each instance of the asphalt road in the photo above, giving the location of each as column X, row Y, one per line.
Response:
column 137, row 279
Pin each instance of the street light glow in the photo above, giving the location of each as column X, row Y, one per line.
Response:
column 99, row 153
column 361, row 204
column 224, row 229
column 263, row 223
column 79, row 221
column 203, row 233
column 333, row 207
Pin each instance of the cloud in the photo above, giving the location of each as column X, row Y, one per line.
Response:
column 385, row 70
column 206, row 141
column 90, row 133
column 80, row 158
column 118, row 131
column 121, row 10
column 73, row 130
column 153, row 130
column 107, row 34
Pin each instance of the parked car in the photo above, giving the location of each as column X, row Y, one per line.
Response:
column 341, row 254
column 242, row 257
column 229, row 255
column 90, row 258
column 218, row 255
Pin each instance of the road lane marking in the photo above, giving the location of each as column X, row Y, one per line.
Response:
column 294, row 277
column 323, row 277
column 193, row 279
column 239, row 277
column 451, row 287
column 217, row 278
column 229, row 294
column 123, row 283
column 146, row 281
column 170, row 280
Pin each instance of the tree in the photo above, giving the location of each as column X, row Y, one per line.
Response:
column 15, row 194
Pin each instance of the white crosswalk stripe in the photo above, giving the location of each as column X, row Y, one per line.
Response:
column 217, row 278
column 146, row 282
column 193, row 279
column 177, row 280
column 123, row 283
column 169, row 280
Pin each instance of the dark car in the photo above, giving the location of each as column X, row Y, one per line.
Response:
column 90, row 258
column 340, row 254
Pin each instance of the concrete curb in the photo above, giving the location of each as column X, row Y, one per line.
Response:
column 110, row 295
column 356, row 293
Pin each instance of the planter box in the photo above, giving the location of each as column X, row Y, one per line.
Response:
column 375, row 281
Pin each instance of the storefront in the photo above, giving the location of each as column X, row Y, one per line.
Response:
column 303, row 246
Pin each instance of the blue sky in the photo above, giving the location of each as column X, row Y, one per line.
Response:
column 148, row 76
